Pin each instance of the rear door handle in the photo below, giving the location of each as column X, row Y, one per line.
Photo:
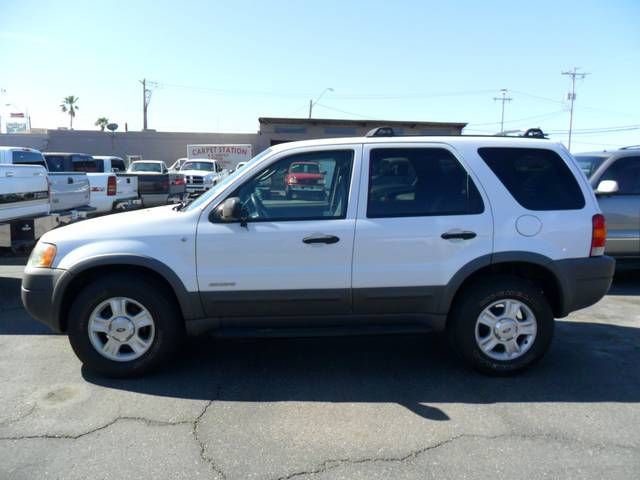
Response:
column 69, row 180
column 328, row 239
column 464, row 235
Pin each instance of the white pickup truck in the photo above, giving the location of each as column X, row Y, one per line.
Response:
column 112, row 189
column 103, row 186
column 70, row 192
column 201, row 174
column 24, row 201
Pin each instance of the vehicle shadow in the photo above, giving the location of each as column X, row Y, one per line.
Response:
column 626, row 282
column 14, row 320
column 588, row 362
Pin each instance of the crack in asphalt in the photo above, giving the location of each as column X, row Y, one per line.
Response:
column 209, row 461
column 11, row 421
column 51, row 436
column 194, row 424
column 328, row 465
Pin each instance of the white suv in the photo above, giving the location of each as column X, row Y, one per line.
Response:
column 487, row 238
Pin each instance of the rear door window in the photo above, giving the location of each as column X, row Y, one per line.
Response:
column 55, row 163
column 25, row 157
column 414, row 182
column 537, row 178
column 117, row 165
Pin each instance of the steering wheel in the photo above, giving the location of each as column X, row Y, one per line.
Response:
column 258, row 206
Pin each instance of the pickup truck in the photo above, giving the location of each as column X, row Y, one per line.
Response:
column 156, row 185
column 304, row 179
column 24, row 200
column 201, row 174
column 70, row 193
column 111, row 191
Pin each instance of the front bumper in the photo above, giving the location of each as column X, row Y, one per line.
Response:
column 584, row 281
column 38, row 294
column 306, row 188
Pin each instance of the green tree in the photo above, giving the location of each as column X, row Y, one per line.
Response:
column 102, row 122
column 70, row 105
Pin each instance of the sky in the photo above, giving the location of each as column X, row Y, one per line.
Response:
column 219, row 65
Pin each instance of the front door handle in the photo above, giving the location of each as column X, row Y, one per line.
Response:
column 328, row 239
column 69, row 180
column 462, row 235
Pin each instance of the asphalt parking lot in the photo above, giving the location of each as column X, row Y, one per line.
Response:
column 352, row 408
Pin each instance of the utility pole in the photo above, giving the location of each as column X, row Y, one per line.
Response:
column 503, row 99
column 312, row 103
column 571, row 96
column 146, row 98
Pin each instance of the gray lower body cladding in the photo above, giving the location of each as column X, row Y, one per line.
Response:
column 582, row 281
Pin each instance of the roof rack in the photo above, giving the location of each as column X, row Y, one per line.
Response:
column 381, row 132
column 630, row 147
column 389, row 132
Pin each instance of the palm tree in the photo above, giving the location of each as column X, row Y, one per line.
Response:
column 102, row 122
column 70, row 105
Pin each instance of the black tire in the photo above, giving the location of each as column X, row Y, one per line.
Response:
column 169, row 325
column 471, row 302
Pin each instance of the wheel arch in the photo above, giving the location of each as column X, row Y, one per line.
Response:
column 90, row 269
column 536, row 268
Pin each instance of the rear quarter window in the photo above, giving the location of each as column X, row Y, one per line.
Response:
column 537, row 178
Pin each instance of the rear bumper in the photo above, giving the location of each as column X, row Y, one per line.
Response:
column 38, row 295
column 127, row 204
column 26, row 231
column 584, row 281
column 198, row 188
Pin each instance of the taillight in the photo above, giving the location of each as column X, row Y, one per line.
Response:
column 292, row 180
column 111, row 186
column 598, row 235
column 179, row 181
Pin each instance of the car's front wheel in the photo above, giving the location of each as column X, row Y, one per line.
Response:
column 121, row 328
column 501, row 325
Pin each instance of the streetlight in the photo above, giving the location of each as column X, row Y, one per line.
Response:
column 312, row 103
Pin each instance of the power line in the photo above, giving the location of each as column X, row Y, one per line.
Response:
column 516, row 120
column 586, row 131
column 538, row 97
column 373, row 96
column 344, row 111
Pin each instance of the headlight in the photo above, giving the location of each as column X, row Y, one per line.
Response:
column 42, row 255
column 208, row 180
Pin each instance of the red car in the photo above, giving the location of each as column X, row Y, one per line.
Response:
column 304, row 179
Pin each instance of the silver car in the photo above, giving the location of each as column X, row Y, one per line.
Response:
column 615, row 177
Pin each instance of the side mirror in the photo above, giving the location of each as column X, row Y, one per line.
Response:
column 607, row 187
column 230, row 210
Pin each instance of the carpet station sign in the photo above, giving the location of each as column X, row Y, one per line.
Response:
column 227, row 154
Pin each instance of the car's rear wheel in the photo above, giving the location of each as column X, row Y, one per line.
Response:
column 501, row 325
column 121, row 328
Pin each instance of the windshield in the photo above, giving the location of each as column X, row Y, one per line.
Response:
column 206, row 166
column 304, row 168
column 589, row 164
column 146, row 167
column 214, row 191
